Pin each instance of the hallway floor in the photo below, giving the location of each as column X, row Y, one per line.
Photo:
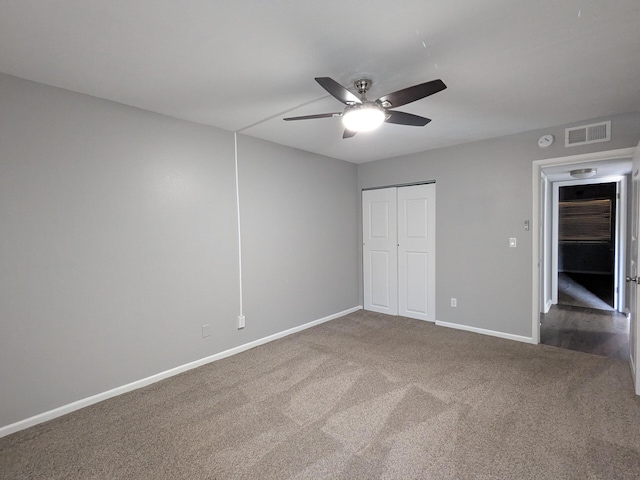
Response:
column 587, row 330
column 599, row 332
column 584, row 320
column 590, row 291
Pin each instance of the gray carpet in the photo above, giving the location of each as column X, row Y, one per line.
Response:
column 365, row 396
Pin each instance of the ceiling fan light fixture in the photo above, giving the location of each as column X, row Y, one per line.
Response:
column 363, row 117
column 583, row 173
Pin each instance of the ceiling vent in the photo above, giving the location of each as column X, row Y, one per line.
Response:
column 585, row 134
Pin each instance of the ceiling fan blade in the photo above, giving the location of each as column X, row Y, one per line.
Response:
column 404, row 118
column 411, row 94
column 337, row 90
column 348, row 133
column 318, row 115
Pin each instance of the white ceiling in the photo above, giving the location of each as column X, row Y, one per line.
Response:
column 510, row 66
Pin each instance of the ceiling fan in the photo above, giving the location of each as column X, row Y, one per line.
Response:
column 361, row 115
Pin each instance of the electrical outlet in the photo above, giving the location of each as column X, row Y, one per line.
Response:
column 206, row 330
column 240, row 322
column 454, row 302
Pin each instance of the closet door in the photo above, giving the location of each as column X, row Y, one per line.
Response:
column 416, row 251
column 379, row 250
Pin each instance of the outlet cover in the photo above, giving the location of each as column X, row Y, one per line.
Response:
column 454, row 302
column 240, row 322
column 206, row 330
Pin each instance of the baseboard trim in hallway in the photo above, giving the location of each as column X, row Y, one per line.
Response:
column 85, row 402
column 483, row 331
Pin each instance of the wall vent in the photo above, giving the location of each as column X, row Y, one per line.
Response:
column 585, row 134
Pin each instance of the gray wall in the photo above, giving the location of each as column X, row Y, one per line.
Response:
column 484, row 196
column 119, row 241
column 299, row 235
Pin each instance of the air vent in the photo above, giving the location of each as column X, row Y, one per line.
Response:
column 585, row 134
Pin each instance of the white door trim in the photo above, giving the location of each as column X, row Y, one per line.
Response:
column 537, row 166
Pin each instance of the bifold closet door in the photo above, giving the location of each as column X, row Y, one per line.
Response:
column 416, row 251
column 399, row 251
column 379, row 250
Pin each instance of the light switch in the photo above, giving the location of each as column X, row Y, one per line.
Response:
column 512, row 242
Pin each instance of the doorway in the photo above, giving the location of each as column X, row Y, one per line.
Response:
column 584, row 316
column 399, row 250
column 582, row 249
column 587, row 239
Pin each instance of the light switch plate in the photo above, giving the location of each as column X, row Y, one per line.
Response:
column 512, row 242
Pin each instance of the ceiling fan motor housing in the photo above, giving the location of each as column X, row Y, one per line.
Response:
column 362, row 85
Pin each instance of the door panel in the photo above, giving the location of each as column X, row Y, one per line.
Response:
column 416, row 251
column 416, row 281
column 380, row 220
column 379, row 279
column 379, row 250
column 416, row 218
column 632, row 272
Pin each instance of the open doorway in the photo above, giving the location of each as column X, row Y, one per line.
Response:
column 588, row 239
column 583, row 249
column 586, row 244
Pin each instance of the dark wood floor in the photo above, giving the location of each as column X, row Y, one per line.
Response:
column 598, row 332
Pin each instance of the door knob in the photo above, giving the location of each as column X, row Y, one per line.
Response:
column 632, row 279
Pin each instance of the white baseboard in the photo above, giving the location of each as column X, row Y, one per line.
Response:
column 85, row 402
column 508, row 336
column 636, row 380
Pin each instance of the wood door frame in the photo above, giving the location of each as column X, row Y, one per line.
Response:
column 537, row 259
